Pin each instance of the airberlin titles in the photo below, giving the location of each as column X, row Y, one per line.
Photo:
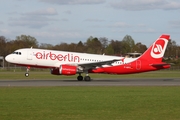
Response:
column 55, row 56
column 70, row 57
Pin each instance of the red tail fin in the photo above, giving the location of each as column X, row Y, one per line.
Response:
column 155, row 52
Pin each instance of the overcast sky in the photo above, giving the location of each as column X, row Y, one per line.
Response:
column 56, row 21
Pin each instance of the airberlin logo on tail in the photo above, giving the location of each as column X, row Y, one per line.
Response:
column 158, row 48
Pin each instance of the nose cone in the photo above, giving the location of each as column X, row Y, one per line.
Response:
column 9, row 58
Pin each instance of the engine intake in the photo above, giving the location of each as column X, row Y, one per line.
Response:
column 64, row 70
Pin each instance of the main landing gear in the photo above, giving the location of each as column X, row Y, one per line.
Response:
column 27, row 72
column 86, row 78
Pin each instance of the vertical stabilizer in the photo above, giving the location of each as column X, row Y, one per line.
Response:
column 156, row 51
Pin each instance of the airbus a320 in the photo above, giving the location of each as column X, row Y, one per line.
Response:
column 71, row 63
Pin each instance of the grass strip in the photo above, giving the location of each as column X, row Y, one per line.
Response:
column 89, row 103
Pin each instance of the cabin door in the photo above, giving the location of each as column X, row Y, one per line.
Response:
column 29, row 54
column 138, row 64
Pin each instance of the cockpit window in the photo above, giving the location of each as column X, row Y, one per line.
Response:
column 17, row 53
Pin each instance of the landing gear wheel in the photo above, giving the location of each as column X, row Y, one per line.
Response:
column 87, row 78
column 80, row 78
column 27, row 74
column 27, row 71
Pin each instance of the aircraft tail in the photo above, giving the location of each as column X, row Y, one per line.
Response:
column 154, row 54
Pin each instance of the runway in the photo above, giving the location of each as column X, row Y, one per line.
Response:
column 97, row 82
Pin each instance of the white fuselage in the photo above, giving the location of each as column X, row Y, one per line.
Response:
column 52, row 58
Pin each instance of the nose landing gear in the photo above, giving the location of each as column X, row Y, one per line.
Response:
column 27, row 72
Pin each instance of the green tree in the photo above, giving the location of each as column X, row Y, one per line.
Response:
column 80, row 47
column 46, row 46
column 140, row 48
column 109, row 50
column 61, row 46
column 104, row 42
column 172, row 49
column 116, row 46
column 93, row 45
column 72, row 47
column 3, row 41
column 128, row 44
column 27, row 41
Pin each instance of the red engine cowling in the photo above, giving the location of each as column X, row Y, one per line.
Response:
column 64, row 70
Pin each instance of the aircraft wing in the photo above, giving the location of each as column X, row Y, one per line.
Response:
column 98, row 64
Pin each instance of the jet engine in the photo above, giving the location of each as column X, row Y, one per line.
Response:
column 64, row 70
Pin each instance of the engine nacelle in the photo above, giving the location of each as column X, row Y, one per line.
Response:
column 64, row 70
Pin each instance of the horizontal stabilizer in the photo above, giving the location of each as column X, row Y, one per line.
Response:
column 160, row 64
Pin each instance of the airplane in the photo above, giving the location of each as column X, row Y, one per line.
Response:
column 71, row 63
